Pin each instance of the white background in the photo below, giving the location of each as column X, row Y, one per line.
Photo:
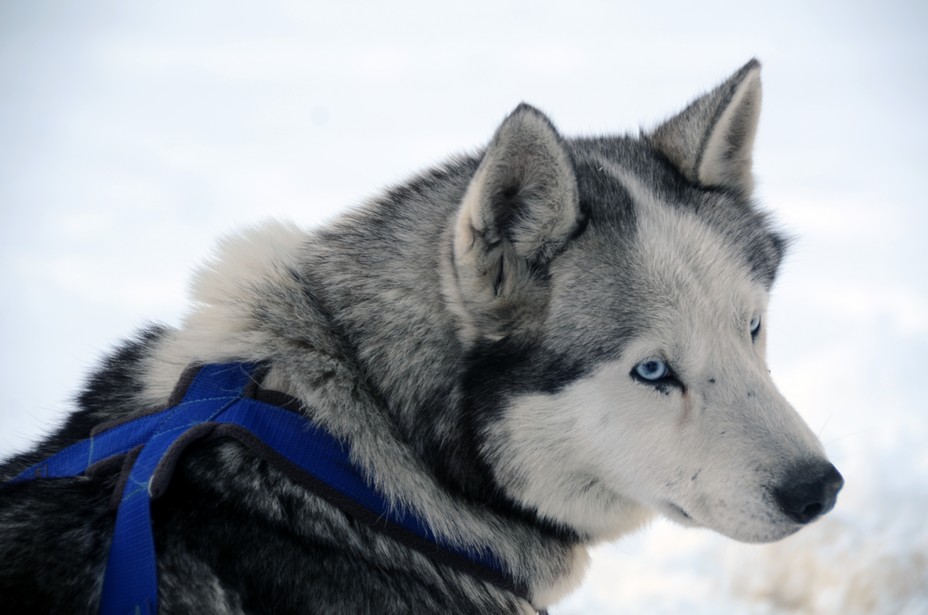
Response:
column 133, row 134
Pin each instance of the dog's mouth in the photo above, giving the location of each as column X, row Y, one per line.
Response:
column 676, row 513
column 769, row 533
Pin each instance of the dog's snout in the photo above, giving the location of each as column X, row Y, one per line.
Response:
column 809, row 491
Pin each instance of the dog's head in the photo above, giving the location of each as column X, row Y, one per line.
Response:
column 612, row 293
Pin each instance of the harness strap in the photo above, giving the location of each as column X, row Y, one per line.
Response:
column 131, row 581
column 215, row 405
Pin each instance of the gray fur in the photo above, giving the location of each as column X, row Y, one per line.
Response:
column 428, row 329
column 519, row 210
column 711, row 140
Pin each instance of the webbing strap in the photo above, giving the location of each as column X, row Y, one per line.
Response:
column 131, row 581
column 214, row 402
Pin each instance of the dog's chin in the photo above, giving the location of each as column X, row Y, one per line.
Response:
column 771, row 532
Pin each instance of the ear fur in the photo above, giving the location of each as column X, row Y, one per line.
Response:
column 711, row 140
column 520, row 209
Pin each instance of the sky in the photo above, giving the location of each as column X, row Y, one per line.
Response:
column 135, row 134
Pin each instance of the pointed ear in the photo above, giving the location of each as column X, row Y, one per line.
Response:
column 520, row 209
column 711, row 141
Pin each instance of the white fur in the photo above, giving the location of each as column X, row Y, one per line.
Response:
column 607, row 449
column 461, row 243
column 567, row 582
column 219, row 327
column 719, row 165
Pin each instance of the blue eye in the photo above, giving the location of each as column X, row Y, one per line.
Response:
column 652, row 370
column 755, row 326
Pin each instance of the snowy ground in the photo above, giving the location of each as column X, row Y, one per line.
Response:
column 134, row 134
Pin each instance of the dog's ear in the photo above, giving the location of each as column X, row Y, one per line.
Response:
column 711, row 141
column 520, row 209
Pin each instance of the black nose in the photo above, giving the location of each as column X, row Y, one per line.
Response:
column 809, row 491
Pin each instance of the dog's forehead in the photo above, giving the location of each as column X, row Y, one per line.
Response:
column 680, row 255
column 638, row 198
column 695, row 286
column 658, row 255
column 649, row 259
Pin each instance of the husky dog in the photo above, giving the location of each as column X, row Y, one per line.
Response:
column 533, row 349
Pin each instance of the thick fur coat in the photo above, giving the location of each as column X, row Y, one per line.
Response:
column 536, row 348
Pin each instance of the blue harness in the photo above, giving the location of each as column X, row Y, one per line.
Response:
column 219, row 402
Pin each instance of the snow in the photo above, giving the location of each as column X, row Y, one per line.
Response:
column 134, row 134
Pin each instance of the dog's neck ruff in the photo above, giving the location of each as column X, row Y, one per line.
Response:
column 225, row 401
